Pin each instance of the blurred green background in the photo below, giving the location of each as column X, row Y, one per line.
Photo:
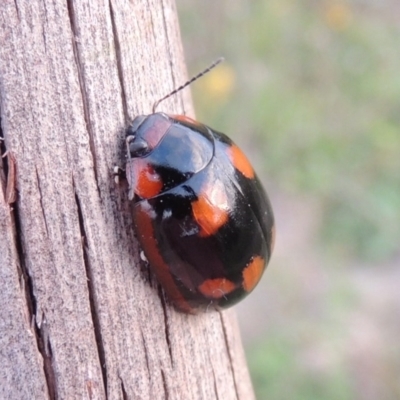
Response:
column 311, row 91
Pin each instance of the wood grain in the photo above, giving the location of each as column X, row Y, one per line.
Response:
column 80, row 316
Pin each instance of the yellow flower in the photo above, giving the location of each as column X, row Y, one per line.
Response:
column 220, row 83
column 338, row 16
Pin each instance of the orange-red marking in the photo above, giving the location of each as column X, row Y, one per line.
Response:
column 210, row 210
column 148, row 183
column 160, row 268
column 252, row 273
column 216, row 288
column 184, row 118
column 240, row 161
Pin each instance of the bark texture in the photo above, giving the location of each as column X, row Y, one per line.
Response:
column 80, row 316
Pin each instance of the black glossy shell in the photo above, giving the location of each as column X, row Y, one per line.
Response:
column 202, row 217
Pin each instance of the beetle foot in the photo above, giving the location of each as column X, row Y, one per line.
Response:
column 119, row 174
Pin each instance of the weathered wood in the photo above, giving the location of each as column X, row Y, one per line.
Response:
column 79, row 316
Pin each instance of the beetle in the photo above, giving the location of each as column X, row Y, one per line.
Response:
column 201, row 215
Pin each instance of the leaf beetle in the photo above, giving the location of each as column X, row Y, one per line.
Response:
column 202, row 217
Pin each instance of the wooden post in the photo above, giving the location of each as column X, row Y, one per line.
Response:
column 80, row 317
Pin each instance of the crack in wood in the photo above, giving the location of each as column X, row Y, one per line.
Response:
column 17, row 9
column 215, row 384
column 44, row 346
column 3, row 161
column 23, row 274
column 124, row 392
column 166, row 391
column 42, row 27
column 42, row 337
column 2, row 146
column 210, row 362
column 82, row 88
column 92, row 301
column 146, row 355
column 41, row 201
column 229, row 353
column 166, row 324
column 9, row 167
column 38, row 329
column 119, row 62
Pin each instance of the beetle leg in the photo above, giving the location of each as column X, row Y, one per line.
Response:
column 119, row 174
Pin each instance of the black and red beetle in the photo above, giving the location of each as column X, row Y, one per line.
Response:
column 203, row 219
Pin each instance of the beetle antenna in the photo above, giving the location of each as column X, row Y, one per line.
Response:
column 213, row 65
